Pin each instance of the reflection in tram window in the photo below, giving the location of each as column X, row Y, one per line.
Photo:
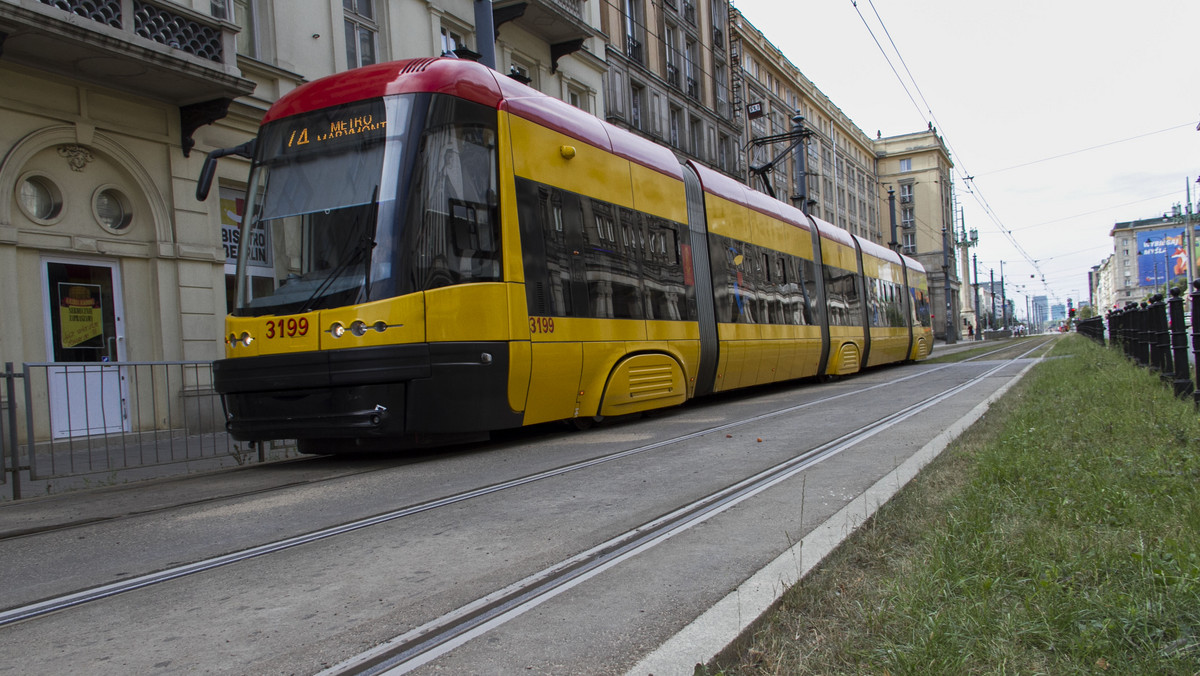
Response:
column 585, row 257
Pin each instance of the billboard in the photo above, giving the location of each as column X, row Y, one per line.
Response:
column 1162, row 256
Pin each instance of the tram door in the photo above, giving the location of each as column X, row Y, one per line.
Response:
column 86, row 334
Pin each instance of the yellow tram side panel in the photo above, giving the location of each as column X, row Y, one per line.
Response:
column 520, row 352
column 787, row 352
column 753, row 354
column 888, row 343
column 845, row 350
column 737, row 359
column 845, row 342
column 799, row 351
column 588, row 171
column 680, row 340
column 922, row 335
column 573, row 362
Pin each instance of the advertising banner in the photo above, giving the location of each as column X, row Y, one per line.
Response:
column 233, row 208
column 1162, row 256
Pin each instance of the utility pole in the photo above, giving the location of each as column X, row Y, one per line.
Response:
column 951, row 322
column 892, row 212
column 485, row 29
column 1189, row 239
column 992, row 291
column 965, row 241
column 978, row 315
column 798, row 137
column 1003, row 300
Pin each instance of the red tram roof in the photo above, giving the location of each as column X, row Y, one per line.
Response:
column 474, row 82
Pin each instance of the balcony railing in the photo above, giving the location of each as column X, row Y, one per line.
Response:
column 673, row 75
column 693, row 88
column 633, row 48
column 165, row 24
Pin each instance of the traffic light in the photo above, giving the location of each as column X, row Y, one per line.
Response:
column 1071, row 313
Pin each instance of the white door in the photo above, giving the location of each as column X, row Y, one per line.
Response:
column 85, row 329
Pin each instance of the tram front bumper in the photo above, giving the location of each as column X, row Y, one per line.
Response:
column 371, row 392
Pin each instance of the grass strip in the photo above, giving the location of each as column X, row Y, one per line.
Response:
column 1059, row 535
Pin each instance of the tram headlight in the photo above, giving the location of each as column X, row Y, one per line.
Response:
column 337, row 330
column 245, row 339
column 358, row 327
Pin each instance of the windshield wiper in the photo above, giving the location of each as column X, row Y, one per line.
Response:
column 366, row 242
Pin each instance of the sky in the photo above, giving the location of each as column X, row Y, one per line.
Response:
column 1067, row 115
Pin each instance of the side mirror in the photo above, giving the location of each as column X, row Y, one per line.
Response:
column 204, row 183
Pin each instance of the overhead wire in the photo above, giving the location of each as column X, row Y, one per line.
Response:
column 960, row 167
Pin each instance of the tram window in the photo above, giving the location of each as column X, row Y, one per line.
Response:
column 811, row 311
column 666, row 295
column 587, row 257
column 454, row 198
column 841, row 289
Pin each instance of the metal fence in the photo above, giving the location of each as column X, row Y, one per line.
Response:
column 1155, row 335
column 70, row 425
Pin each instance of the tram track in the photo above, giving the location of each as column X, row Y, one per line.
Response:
column 423, row 644
column 610, row 550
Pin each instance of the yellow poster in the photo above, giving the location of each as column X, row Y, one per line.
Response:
column 81, row 313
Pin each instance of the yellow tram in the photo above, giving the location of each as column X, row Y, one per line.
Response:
column 445, row 251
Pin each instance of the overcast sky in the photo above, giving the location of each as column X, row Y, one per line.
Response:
column 1071, row 115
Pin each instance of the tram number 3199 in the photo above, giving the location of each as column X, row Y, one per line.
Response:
column 541, row 324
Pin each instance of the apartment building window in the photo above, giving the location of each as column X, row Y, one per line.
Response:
column 524, row 72
column 674, row 119
column 671, row 42
column 697, row 137
column 720, row 12
column 908, row 218
column 906, row 193
column 909, row 241
column 245, row 15
column 633, row 29
column 722, row 89
column 723, row 152
column 452, row 39
column 361, row 30
column 691, row 57
column 637, row 103
column 906, row 164
column 577, row 97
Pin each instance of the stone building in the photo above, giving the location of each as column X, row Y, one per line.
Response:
column 917, row 167
column 668, row 76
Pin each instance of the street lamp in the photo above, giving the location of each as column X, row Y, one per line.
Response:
column 965, row 241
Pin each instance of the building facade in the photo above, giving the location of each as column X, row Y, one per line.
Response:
column 842, row 186
column 1152, row 254
column 917, row 168
column 668, row 76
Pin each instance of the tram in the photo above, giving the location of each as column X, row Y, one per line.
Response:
column 445, row 251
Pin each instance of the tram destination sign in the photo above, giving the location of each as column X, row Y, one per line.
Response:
column 353, row 124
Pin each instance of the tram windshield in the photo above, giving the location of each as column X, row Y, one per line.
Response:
column 369, row 200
